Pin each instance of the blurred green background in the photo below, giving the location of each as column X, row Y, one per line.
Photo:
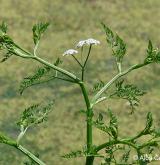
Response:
column 135, row 21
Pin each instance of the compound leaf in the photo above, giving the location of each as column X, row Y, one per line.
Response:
column 149, row 123
column 117, row 44
column 38, row 30
column 153, row 55
column 41, row 75
column 113, row 126
column 98, row 86
column 3, row 28
column 129, row 92
column 34, row 115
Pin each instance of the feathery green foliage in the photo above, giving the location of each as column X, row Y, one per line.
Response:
column 38, row 30
column 98, row 86
column 117, row 44
column 3, row 28
column 112, row 129
column 6, row 43
column 153, row 55
column 36, row 114
column 128, row 92
column 42, row 75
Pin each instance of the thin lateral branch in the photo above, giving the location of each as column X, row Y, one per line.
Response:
column 25, row 54
column 102, row 90
column 22, row 133
column 60, row 78
column 77, row 61
column 119, row 66
column 89, row 51
column 85, row 63
column 6, row 140
column 11, row 142
column 151, row 143
column 30, row 155
column 102, row 146
column 22, row 49
column 72, row 76
column 35, row 48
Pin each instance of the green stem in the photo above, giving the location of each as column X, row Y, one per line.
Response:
column 63, row 71
column 82, row 74
column 102, row 90
column 140, row 162
column 77, row 61
column 89, row 51
column 89, row 116
column 56, row 68
column 30, row 155
column 89, row 159
column 110, row 143
column 6, row 140
column 85, row 63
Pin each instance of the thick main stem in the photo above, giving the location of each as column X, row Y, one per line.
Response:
column 89, row 159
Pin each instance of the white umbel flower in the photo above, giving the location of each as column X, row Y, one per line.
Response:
column 92, row 41
column 81, row 43
column 89, row 41
column 70, row 52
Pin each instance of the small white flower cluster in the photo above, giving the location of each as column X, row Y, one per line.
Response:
column 89, row 41
column 70, row 52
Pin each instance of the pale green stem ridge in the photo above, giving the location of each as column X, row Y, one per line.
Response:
column 102, row 90
column 110, row 143
column 63, row 71
column 57, row 68
column 30, row 155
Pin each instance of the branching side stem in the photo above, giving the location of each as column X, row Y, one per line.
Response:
column 30, row 155
column 102, row 90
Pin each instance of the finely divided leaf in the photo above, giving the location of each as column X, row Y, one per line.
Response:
column 74, row 154
column 41, row 75
column 112, row 129
column 34, row 115
column 99, row 123
column 109, row 35
column 98, row 86
column 34, row 79
column 117, row 44
column 153, row 55
column 113, row 126
column 38, row 30
column 129, row 92
column 7, row 44
column 149, row 123
column 3, row 28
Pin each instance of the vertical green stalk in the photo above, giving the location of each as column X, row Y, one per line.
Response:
column 89, row 159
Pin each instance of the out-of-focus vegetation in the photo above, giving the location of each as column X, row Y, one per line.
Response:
column 135, row 20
